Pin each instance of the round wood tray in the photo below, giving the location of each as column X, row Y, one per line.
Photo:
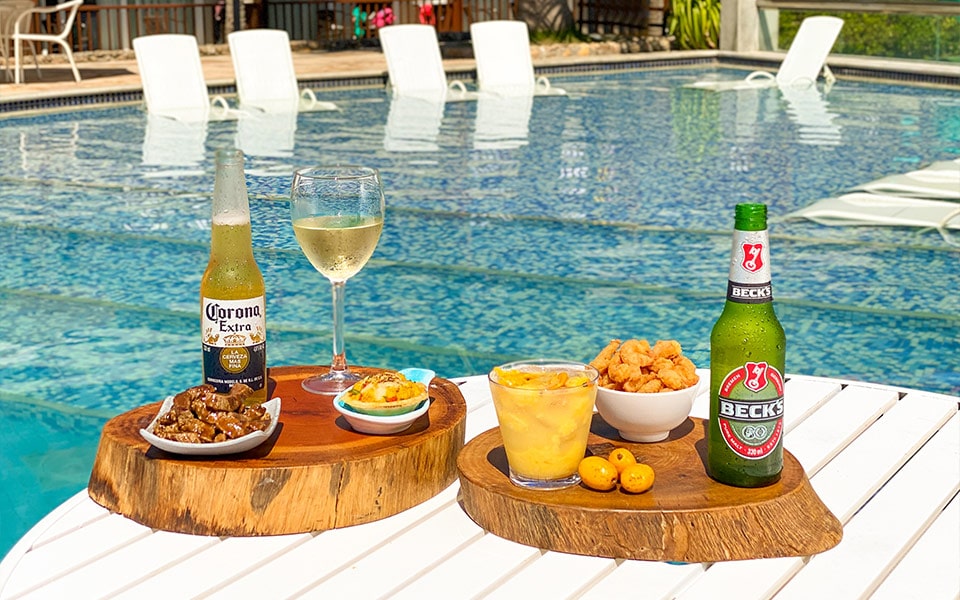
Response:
column 314, row 473
column 686, row 516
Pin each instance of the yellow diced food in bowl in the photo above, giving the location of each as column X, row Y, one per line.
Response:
column 538, row 380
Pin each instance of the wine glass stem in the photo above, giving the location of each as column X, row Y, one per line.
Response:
column 339, row 353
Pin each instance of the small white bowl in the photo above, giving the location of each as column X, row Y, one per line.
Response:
column 389, row 424
column 645, row 417
column 241, row 444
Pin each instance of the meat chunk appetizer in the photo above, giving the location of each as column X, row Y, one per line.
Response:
column 201, row 415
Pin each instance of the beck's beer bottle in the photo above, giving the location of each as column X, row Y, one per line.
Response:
column 233, row 311
column 747, row 353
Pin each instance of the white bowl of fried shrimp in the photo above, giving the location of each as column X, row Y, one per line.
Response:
column 645, row 391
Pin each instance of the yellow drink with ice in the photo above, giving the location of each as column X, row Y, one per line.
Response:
column 544, row 408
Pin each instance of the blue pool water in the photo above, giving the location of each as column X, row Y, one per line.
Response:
column 609, row 216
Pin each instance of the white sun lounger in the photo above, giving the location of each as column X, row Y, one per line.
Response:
column 940, row 180
column 804, row 61
column 415, row 66
column 173, row 82
column 413, row 124
column 266, row 80
column 861, row 208
column 504, row 66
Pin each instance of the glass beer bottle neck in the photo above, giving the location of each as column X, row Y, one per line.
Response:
column 231, row 241
column 750, row 217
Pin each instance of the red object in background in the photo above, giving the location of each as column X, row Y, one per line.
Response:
column 426, row 15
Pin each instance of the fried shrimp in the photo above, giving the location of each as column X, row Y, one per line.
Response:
column 602, row 361
column 666, row 349
column 636, row 352
column 635, row 366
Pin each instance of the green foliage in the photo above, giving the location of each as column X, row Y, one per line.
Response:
column 695, row 24
column 922, row 37
column 566, row 36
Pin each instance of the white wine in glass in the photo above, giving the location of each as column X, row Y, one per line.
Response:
column 337, row 215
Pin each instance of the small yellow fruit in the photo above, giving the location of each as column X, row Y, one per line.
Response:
column 637, row 478
column 598, row 473
column 622, row 458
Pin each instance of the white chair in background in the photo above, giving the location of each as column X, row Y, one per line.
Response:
column 22, row 35
column 173, row 81
column 415, row 66
column 9, row 11
column 504, row 65
column 940, row 180
column 266, row 80
column 804, row 61
column 863, row 208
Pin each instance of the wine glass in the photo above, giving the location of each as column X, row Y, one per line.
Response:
column 337, row 215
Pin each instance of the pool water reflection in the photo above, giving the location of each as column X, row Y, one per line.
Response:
column 505, row 225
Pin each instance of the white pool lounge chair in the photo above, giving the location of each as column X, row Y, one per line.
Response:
column 413, row 124
column 504, row 66
column 173, row 82
column 804, row 61
column 861, row 208
column 503, row 122
column 940, row 180
column 415, row 66
column 266, row 80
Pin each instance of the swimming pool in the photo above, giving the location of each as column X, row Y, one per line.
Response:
column 610, row 217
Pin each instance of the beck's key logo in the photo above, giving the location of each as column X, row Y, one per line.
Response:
column 752, row 257
column 756, row 376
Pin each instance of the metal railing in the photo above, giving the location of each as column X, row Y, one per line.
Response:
column 107, row 27
column 948, row 7
column 621, row 17
column 114, row 27
column 918, row 30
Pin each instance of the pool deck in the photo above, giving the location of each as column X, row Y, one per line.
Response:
column 122, row 75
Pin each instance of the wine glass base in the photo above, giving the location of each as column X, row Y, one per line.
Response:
column 330, row 384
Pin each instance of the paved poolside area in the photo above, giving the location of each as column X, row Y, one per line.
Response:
column 121, row 74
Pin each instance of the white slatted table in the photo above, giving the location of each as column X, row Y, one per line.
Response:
column 886, row 461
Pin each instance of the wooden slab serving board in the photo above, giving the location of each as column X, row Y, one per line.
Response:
column 314, row 473
column 686, row 516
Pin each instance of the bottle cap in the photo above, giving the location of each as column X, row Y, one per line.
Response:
column 751, row 217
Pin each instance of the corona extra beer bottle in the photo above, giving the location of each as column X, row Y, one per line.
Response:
column 747, row 353
column 233, row 308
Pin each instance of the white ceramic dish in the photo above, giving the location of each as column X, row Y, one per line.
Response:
column 386, row 425
column 645, row 417
column 251, row 440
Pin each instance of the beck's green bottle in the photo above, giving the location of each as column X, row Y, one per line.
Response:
column 747, row 353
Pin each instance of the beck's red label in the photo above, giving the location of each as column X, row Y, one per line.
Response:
column 751, row 410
